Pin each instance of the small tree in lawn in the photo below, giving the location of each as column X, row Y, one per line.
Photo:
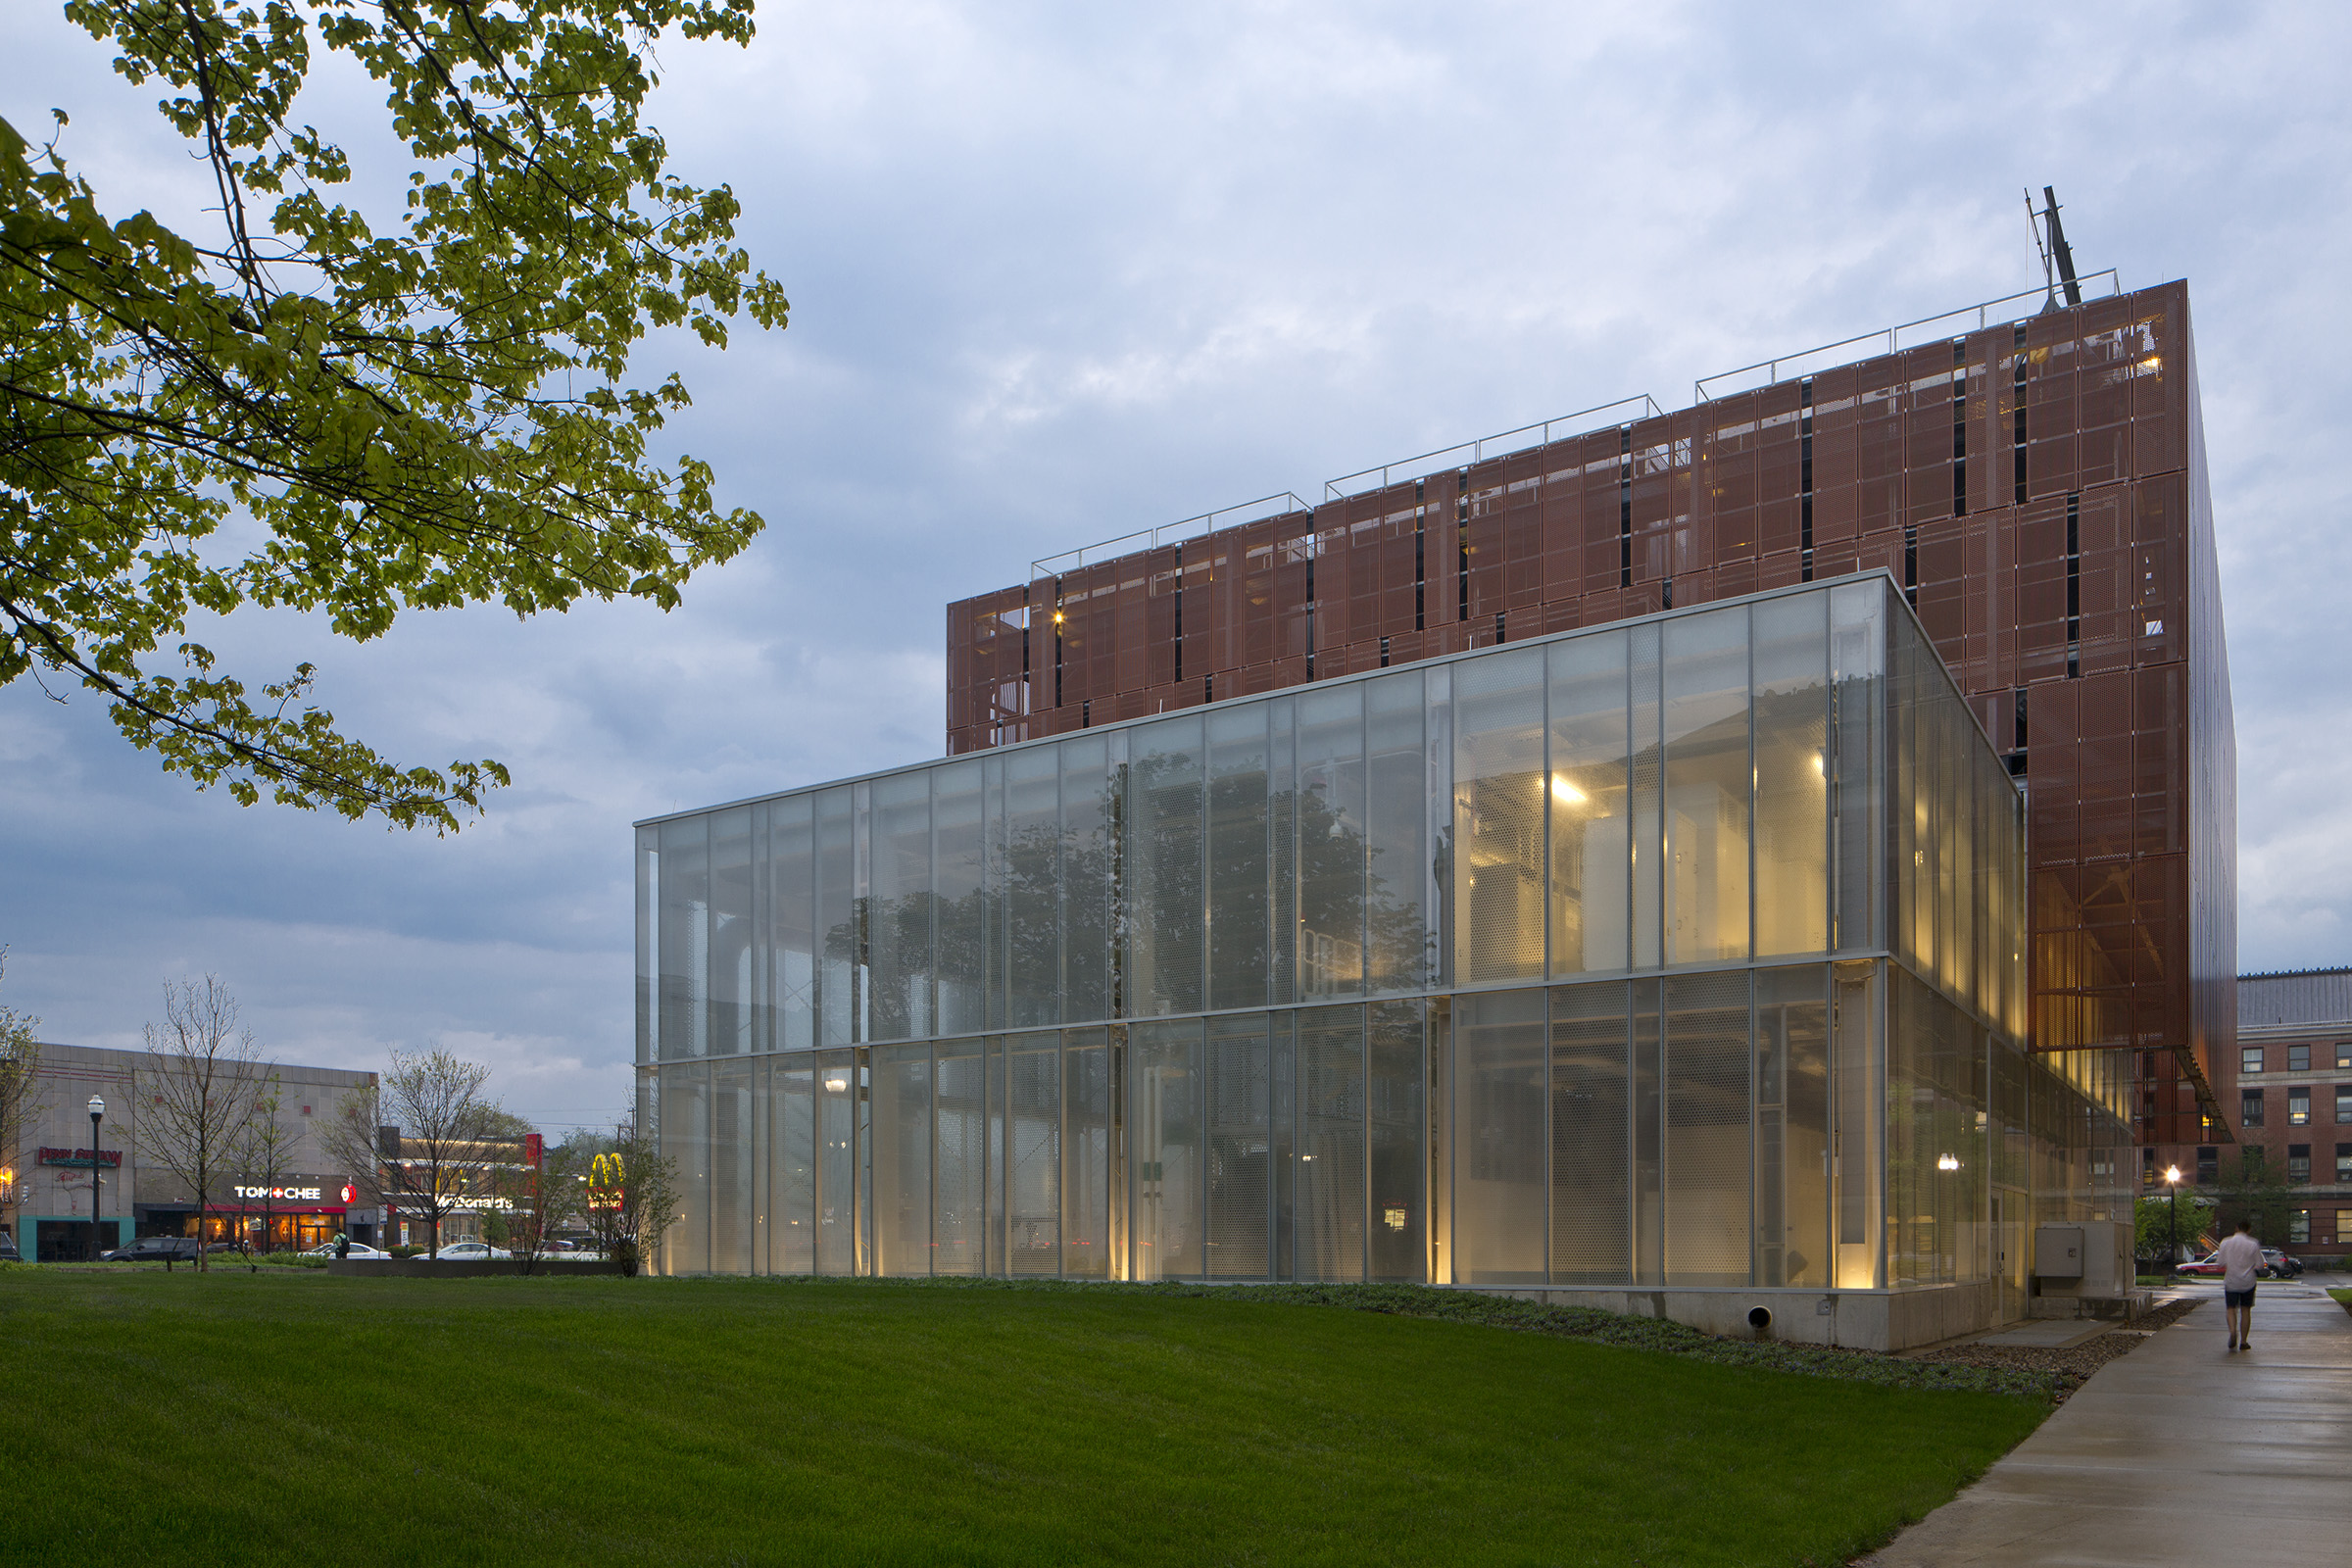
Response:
column 425, row 1134
column 20, row 1108
column 200, row 1090
column 266, row 1154
column 538, row 1202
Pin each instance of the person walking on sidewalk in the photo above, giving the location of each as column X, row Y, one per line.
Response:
column 2240, row 1256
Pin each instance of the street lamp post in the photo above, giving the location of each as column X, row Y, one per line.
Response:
column 2171, row 1250
column 97, row 1113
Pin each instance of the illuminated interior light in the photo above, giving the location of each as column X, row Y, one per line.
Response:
column 1566, row 793
column 1947, row 1162
column 1819, row 770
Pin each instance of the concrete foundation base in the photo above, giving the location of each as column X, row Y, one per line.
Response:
column 1863, row 1320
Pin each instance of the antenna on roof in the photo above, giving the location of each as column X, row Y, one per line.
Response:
column 2057, row 249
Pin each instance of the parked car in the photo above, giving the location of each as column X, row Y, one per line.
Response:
column 154, row 1249
column 2276, row 1264
column 358, row 1251
column 2208, row 1266
column 471, row 1252
column 8, row 1248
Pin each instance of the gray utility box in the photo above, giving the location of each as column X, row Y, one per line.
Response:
column 2090, row 1257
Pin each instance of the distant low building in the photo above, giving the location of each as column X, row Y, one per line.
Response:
column 46, row 1186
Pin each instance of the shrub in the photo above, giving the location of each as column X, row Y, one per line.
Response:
column 406, row 1251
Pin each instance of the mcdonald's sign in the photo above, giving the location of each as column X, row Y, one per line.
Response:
column 606, row 1178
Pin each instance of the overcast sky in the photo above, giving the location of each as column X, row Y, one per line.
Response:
column 1062, row 272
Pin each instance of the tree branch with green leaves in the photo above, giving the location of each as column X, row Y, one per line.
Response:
column 425, row 419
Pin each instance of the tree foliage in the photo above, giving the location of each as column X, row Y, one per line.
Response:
column 419, row 415
column 20, row 1085
column 424, row 1137
column 2253, row 1188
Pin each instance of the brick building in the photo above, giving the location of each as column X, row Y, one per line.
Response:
column 2285, row 1089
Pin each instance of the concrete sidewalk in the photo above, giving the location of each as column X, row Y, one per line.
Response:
column 2180, row 1452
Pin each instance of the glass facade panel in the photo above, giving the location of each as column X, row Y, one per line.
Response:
column 1086, row 1156
column 1033, row 1157
column 684, row 939
column 1239, row 1181
column 1708, row 1155
column 1165, row 857
column 1189, row 916
column 1330, row 1174
column 1708, row 776
column 1499, row 815
column 1396, row 1076
column 1792, row 1126
column 1500, row 1176
column 1239, row 868
column 959, row 901
column 791, row 920
column 792, row 1169
column 1164, row 1164
column 1331, row 842
column 1590, row 756
column 1090, row 820
column 731, row 945
column 840, row 1248
column 1793, row 809
column 1033, row 887
column 899, row 915
column 1590, row 1124
column 1397, row 781
column 686, row 1143
column 842, row 965
column 959, row 1160
column 735, row 1142
column 901, row 1078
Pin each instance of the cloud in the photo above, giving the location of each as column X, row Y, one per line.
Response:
column 1061, row 273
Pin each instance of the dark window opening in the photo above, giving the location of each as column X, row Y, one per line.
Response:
column 1911, row 567
column 1669, row 592
column 1959, row 428
column 1086, row 715
column 2249, row 1107
column 2017, row 414
column 2073, row 584
column 2209, row 1165
column 1498, row 628
column 2298, row 1163
column 1384, row 653
column 1208, row 688
column 1625, row 506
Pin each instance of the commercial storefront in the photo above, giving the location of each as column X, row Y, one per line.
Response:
column 1680, row 957
column 47, row 1188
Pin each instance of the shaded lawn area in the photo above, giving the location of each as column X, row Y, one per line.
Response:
column 296, row 1417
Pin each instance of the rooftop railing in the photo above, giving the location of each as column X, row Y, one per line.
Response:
column 1070, row 560
column 1810, row 359
column 1567, row 424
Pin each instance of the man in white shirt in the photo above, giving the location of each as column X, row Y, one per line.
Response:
column 2240, row 1256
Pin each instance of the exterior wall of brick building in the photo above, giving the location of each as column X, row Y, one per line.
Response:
column 2286, row 1089
column 2037, row 488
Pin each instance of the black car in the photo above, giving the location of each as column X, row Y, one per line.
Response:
column 154, row 1249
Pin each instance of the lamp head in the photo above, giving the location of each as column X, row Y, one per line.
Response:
column 2172, row 1175
column 97, row 1106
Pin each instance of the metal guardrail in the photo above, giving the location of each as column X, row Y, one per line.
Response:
column 1070, row 560
column 1893, row 336
column 1334, row 489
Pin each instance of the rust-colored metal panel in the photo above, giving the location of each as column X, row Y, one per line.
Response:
column 1605, row 491
column 1561, row 498
column 1941, row 607
column 1779, row 526
column 2159, row 388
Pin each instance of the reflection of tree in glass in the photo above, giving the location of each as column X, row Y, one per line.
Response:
column 1036, row 874
column 1043, row 882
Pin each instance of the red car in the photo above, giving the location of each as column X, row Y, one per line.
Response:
column 2209, row 1266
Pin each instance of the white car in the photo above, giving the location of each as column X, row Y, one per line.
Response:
column 356, row 1251
column 471, row 1252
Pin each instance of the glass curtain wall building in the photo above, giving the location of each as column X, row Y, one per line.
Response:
column 1680, row 954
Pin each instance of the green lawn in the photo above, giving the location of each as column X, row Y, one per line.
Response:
column 294, row 1417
